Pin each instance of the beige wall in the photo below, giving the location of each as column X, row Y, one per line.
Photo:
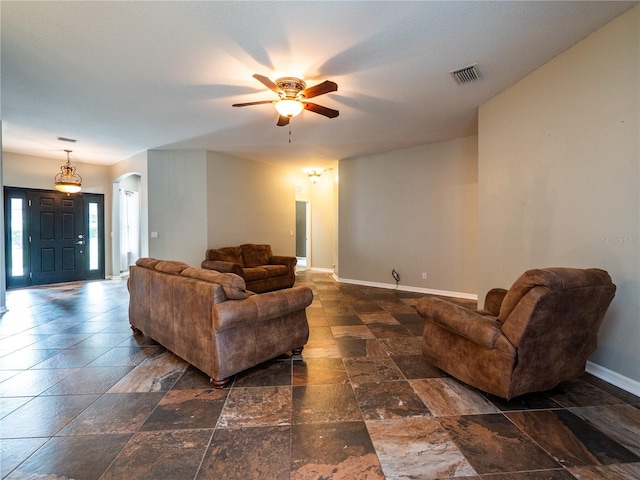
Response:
column 413, row 210
column 559, row 171
column 177, row 182
column 250, row 202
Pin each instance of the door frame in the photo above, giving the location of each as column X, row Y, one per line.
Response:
column 25, row 280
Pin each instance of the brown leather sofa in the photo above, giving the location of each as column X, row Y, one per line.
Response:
column 210, row 320
column 262, row 271
column 530, row 338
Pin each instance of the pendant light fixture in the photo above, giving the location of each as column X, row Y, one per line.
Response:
column 68, row 181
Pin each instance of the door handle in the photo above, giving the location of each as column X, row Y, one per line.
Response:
column 80, row 243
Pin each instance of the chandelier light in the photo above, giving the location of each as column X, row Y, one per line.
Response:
column 314, row 174
column 68, row 181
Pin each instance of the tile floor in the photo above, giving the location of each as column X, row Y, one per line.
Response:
column 81, row 397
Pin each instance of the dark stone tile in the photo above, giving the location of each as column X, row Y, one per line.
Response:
column 340, row 320
column 415, row 366
column 14, row 451
column 324, row 404
column 85, row 457
column 578, row 393
column 492, row 444
column 364, row 306
column 402, row 345
column 269, row 373
column 193, row 379
column 89, row 380
column 103, row 339
column 409, row 319
column 114, row 413
column 184, row 409
column 623, row 395
column 256, row 407
column 372, row 369
column 389, row 331
column 174, row 455
column 529, row 401
column 569, row 439
column 247, row 453
column 63, row 340
column 388, row 400
column 52, row 414
column 559, row 474
column 319, row 371
column 360, row 347
column 72, row 358
column 25, row 358
column 33, row 382
column 337, row 450
column 126, row 356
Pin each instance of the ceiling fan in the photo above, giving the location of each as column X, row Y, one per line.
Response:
column 293, row 93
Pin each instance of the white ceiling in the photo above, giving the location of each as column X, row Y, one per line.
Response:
column 125, row 77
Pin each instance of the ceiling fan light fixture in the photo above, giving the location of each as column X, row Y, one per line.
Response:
column 68, row 181
column 289, row 108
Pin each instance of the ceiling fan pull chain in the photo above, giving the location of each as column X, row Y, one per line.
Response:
column 289, row 132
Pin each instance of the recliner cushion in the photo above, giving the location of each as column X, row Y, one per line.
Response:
column 255, row 255
column 171, row 266
column 226, row 254
column 255, row 273
column 234, row 286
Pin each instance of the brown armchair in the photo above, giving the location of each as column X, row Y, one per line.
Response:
column 261, row 270
column 530, row 338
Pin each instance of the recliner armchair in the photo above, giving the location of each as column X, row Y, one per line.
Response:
column 530, row 338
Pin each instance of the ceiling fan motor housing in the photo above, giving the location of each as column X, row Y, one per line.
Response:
column 291, row 87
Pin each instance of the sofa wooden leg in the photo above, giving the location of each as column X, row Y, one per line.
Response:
column 219, row 383
column 297, row 351
column 135, row 329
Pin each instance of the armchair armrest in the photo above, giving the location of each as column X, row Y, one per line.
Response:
column 481, row 329
column 223, row 267
column 290, row 262
column 493, row 300
column 261, row 307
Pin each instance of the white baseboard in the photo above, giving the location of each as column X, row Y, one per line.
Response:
column 322, row 270
column 609, row 376
column 408, row 288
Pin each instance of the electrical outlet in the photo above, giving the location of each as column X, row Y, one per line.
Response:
column 396, row 275
column 424, row 275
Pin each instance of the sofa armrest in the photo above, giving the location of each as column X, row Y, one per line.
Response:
column 493, row 300
column 290, row 262
column 481, row 329
column 264, row 306
column 223, row 267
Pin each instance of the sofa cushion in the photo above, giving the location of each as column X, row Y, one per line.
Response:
column 276, row 270
column 233, row 285
column 147, row 262
column 171, row 266
column 226, row 254
column 255, row 255
column 255, row 273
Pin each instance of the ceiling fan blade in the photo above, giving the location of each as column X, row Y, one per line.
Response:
column 327, row 112
column 262, row 102
column 320, row 89
column 268, row 83
column 283, row 121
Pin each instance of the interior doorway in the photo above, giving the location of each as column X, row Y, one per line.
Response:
column 303, row 248
column 127, row 244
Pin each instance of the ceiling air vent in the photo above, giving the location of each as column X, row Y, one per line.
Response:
column 466, row 74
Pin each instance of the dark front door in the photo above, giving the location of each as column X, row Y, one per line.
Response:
column 57, row 237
